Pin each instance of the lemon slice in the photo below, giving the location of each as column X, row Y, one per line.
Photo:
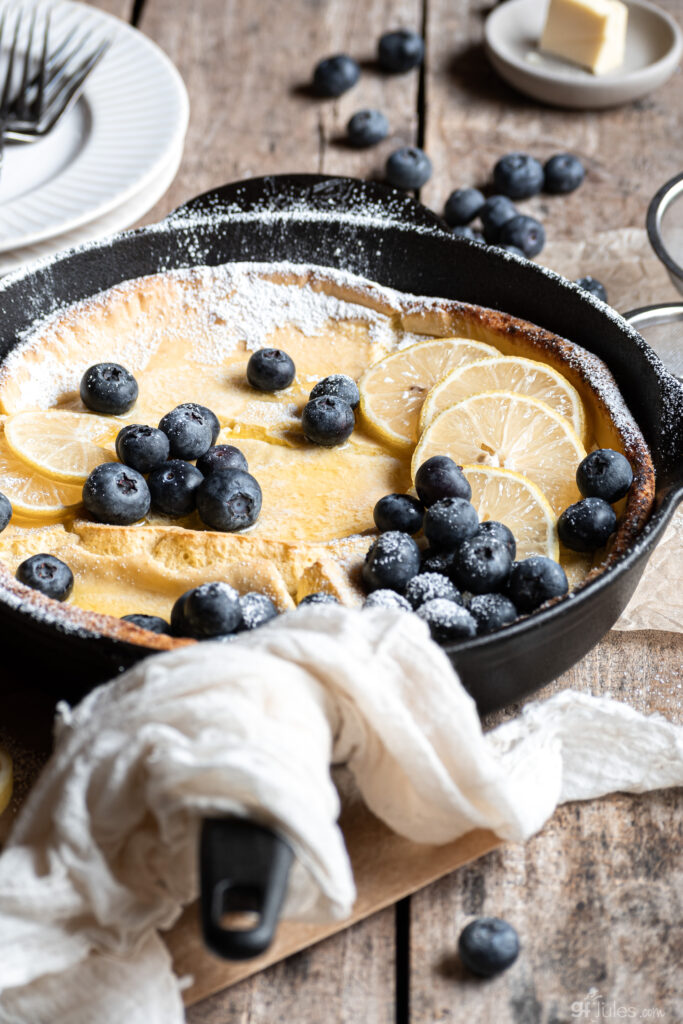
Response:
column 63, row 445
column 392, row 391
column 32, row 494
column 507, row 373
column 6, row 779
column 514, row 500
column 509, row 431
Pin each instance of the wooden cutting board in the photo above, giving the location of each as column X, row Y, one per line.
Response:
column 386, row 867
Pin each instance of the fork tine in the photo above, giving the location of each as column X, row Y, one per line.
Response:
column 60, row 102
column 5, row 101
column 37, row 108
column 22, row 104
column 55, row 70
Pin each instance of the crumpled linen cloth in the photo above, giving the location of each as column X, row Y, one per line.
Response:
column 104, row 853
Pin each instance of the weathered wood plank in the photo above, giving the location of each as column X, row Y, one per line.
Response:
column 474, row 117
column 120, row 8
column 247, row 68
column 596, row 896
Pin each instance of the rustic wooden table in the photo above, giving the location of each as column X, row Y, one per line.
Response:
column 596, row 896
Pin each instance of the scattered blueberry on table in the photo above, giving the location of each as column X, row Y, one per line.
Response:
column 335, row 75
column 189, row 431
column 525, row 233
column 587, row 525
column 518, row 176
column 108, row 388
column 142, row 447
column 367, row 128
column 221, row 456
column 400, row 51
column 605, row 474
column 398, row 512
column 408, row 168
column 495, row 212
column 340, row 386
column 465, row 231
column 462, row 206
column 270, row 369
column 5, row 511
column 153, row 623
column 595, row 287
column 563, row 173
column 488, row 945
column 327, row 421
column 48, row 574
column 173, row 488
column 116, row 494
column 229, row 500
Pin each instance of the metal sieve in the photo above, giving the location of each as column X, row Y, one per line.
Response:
column 665, row 228
column 662, row 328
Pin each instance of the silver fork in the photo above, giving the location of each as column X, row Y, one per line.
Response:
column 50, row 81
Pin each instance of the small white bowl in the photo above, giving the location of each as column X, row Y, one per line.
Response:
column 654, row 44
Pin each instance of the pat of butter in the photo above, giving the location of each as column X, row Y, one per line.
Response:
column 587, row 32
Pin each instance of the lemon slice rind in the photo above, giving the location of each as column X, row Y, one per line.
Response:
column 62, row 445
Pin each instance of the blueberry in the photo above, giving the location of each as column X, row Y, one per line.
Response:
column 431, row 586
column 464, row 231
column 408, row 167
column 229, row 500
column 492, row 528
column 440, row 477
column 47, row 574
column 526, row 233
column 488, row 946
column 595, row 287
column 5, row 511
column 339, row 386
column 270, row 369
column 392, row 560
column 495, row 212
column 108, row 388
column 514, row 249
column 535, row 580
column 188, row 430
column 449, row 522
column 518, row 176
column 447, row 620
column 491, row 612
column 587, row 525
column 173, row 488
column 438, row 561
column 213, row 609
column 462, row 206
column 563, row 173
column 320, row 597
column 256, row 609
column 386, row 599
column 206, row 414
column 153, row 623
column 116, row 494
column 366, row 128
column 398, row 512
column 604, row 474
column 400, row 51
column 221, row 456
column 142, row 447
column 327, row 421
column 482, row 564
column 335, row 75
column 179, row 625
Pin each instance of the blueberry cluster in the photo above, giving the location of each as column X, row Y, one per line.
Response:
column 466, row 582
column 212, row 611
column 603, row 478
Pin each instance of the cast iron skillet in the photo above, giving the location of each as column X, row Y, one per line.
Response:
column 387, row 237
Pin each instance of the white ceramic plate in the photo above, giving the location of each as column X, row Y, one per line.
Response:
column 654, row 44
column 131, row 211
column 117, row 139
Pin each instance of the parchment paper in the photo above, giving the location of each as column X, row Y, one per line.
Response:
column 633, row 276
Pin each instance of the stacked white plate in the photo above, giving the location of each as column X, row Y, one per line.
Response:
column 111, row 157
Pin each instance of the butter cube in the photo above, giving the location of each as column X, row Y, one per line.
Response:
column 591, row 33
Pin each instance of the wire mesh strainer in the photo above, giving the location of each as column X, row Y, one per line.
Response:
column 662, row 328
column 665, row 228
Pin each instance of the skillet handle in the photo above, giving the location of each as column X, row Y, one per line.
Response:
column 309, row 192
column 244, row 867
